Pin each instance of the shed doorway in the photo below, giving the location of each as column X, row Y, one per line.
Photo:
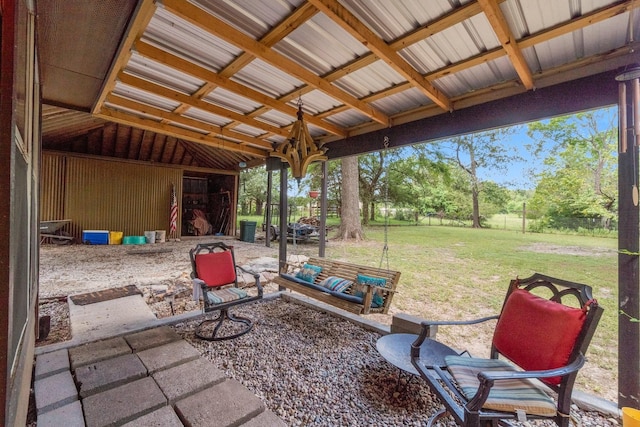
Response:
column 207, row 202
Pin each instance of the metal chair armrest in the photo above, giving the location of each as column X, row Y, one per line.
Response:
column 255, row 275
column 426, row 330
column 487, row 379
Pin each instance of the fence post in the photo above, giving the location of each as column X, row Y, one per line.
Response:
column 524, row 216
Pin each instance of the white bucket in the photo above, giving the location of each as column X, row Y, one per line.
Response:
column 150, row 236
column 161, row 236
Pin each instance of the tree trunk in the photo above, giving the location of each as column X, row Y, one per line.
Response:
column 350, row 226
column 475, row 190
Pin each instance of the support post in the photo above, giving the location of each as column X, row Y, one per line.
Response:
column 628, row 245
column 269, row 212
column 323, row 210
column 283, row 221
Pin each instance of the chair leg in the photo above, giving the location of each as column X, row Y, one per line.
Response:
column 224, row 315
column 435, row 417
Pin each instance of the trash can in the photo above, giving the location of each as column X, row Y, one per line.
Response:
column 248, row 231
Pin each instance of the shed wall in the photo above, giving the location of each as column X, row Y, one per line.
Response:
column 107, row 195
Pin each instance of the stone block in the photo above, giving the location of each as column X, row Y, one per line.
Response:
column 69, row 415
column 188, row 378
column 52, row 363
column 163, row 417
column 226, row 404
column 54, row 392
column 155, row 337
column 97, row 351
column 168, row 355
column 97, row 377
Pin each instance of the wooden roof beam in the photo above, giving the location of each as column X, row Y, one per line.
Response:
column 218, row 80
column 298, row 17
column 198, row 103
column 348, row 22
column 508, row 41
column 144, row 13
column 117, row 116
column 221, row 29
column 167, row 116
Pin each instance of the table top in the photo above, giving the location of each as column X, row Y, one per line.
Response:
column 396, row 349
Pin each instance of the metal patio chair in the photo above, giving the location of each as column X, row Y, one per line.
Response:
column 539, row 344
column 215, row 271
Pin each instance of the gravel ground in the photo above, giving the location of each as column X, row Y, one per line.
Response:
column 308, row 367
column 312, row 368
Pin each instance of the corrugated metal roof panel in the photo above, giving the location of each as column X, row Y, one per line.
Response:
column 371, row 79
column 267, row 79
column 250, row 16
column 231, row 101
column 248, row 130
column 162, row 74
column 177, row 36
column 276, row 118
column 348, row 118
column 478, row 77
column 145, row 97
column 316, row 102
column 207, row 117
column 403, row 101
column 337, row 47
column 392, row 19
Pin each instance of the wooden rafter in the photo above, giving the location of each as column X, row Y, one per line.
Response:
column 508, row 41
column 348, row 22
column 198, row 103
column 178, row 132
column 231, row 35
column 145, row 12
column 217, row 80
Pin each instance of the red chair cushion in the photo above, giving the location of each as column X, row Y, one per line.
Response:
column 216, row 268
column 537, row 333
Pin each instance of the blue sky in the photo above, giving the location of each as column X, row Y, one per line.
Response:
column 517, row 176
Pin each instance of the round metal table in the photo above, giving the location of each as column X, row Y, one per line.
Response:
column 396, row 349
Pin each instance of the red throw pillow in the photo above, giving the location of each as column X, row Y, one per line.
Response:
column 216, row 268
column 537, row 333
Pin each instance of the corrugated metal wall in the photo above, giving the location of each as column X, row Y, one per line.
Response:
column 52, row 170
column 107, row 195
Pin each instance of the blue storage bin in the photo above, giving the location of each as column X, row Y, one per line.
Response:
column 95, row 237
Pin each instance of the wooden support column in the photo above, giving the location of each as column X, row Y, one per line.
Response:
column 323, row 210
column 283, row 219
column 628, row 245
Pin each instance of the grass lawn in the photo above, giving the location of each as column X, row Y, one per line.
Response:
column 463, row 273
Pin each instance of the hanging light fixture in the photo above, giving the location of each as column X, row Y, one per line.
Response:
column 299, row 149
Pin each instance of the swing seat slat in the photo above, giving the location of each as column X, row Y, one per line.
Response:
column 345, row 300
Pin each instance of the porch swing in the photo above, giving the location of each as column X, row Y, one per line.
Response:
column 356, row 288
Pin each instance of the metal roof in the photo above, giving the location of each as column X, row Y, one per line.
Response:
column 227, row 74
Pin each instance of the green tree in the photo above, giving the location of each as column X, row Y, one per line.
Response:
column 579, row 179
column 253, row 190
column 473, row 153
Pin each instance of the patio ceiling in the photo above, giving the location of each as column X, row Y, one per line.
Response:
column 226, row 75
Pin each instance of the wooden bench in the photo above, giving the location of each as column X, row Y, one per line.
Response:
column 348, row 271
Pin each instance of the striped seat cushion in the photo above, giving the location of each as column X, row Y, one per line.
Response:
column 505, row 395
column 225, row 295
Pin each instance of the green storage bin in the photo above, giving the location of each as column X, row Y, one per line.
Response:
column 248, row 231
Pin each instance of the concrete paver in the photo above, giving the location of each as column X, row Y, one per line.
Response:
column 123, row 404
column 69, row 415
column 98, row 351
column 110, row 318
column 155, row 337
column 163, row 417
column 168, row 355
column 188, row 378
column 54, row 391
column 233, row 405
column 110, row 373
column 52, row 363
column 265, row 419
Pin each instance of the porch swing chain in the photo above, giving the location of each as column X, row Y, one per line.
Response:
column 385, row 248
